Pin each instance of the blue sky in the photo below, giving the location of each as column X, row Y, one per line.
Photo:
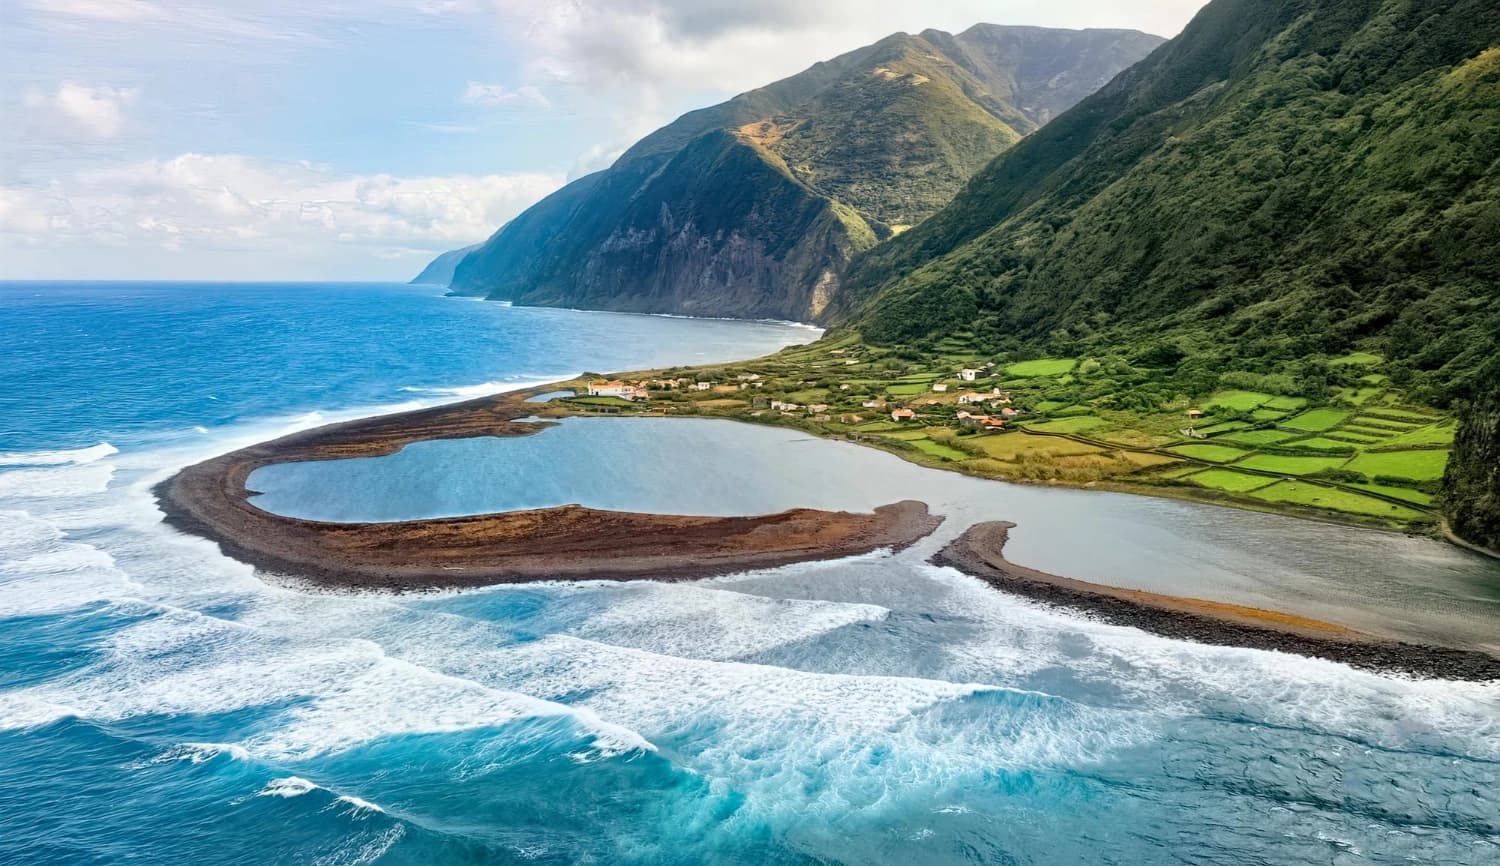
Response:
column 354, row 139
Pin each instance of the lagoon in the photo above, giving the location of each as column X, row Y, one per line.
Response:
column 1405, row 587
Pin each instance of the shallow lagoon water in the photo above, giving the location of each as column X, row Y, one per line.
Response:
column 1405, row 587
column 160, row 703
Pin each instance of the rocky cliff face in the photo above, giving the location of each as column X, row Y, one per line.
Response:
column 439, row 272
column 1471, row 486
column 752, row 208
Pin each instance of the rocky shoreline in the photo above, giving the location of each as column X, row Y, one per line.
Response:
column 979, row 552
column 211, row 500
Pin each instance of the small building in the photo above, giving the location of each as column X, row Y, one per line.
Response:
column 969, row 398
column 940, row 387
column 981, row 422
column 822, row 418
column 903, row 415
column 1009, row 413
column 702, row 386
column 818, row 408
column 612, row 389
column 1195, row 414
column 876, row 403
column 969, row 375
column 848, row 418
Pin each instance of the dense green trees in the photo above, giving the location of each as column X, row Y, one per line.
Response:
column 1471, row 485
column 1283, row 182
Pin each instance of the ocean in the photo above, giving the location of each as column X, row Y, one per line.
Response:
column 160, row 703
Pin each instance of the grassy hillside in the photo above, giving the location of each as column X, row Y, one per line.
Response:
column 871, row 142
column 1281, row 185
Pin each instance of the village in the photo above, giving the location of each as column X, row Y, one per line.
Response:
column 969, row 409
column 1361, row 452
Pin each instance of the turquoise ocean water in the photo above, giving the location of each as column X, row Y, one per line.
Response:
column 160, row 703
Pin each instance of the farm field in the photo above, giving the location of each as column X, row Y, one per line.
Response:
column 1316, row 420
column 1425, row 465
column 1088, row 419
column 1075, row 424
column 1316, row 496
column 1289, row 465
column 1041, row 367
column 1230, row 481
column 1257, row 437
column 1238, row 401
column 1211, row 453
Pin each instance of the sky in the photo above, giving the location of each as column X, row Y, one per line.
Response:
column 356, row 139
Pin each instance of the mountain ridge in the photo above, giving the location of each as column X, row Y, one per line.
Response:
column 872, row 141
column 1293, row 184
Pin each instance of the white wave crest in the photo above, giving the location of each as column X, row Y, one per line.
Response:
column 62, row 480
column 291, row 786
column 483, row 389
column 57, row 458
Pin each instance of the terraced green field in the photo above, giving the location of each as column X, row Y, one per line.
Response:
column 1257, row 437
column 1239, row 401
column 1230, row 481
column 1318, row 443
column 1223, row 427
column 1439, row 434
column 1414, row 496
column 1211, row 453
column 1041, row 367
column 1286, row 465
column 1316, row 496
column 1317, row 420
column 1414, row 465
column 938, row 449
column 1076, row 424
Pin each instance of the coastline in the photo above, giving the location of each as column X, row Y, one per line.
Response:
column 211, row 500
column 979, row 553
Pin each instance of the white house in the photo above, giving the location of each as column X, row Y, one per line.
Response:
column 612, row 389
column 940, row 387
column 903, row 415
column 971, row 398
column 969, row 375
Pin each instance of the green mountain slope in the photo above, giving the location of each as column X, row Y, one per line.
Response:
column 753, row 207
column 1283, row 181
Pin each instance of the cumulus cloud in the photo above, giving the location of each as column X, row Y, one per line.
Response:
column 231, row 202
column 497, row 95
column 98, row 112
column 737, row 45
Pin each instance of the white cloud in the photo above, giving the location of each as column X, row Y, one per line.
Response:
column 736, row 45
column 98, row 112
column 497, row 95
column 228, row 203
column 110, row 10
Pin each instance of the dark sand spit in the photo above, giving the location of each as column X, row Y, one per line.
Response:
column 979, row 552
column 210, row 499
